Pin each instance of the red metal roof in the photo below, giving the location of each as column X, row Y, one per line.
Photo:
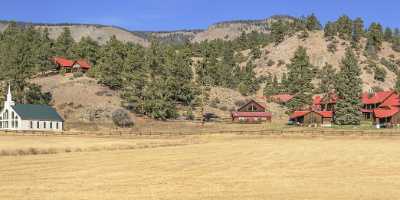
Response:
column 63, row 62
column 317, row 100
column 251, row 114
column 378, row 97
column 84, row 64
column 385, row 112
column 392, row 100
column 325, row 114
column 282, row 98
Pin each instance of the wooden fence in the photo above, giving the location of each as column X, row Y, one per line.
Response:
column 266, row 132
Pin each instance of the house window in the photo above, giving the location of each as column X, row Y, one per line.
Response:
column 12, row 115
column 51, row 124
column 56, row 125
column 252, row 108
column 31, row 124
column 44, row 124
column 12, row 123
column 16, row 124
column 1, row 124
column 37, row 124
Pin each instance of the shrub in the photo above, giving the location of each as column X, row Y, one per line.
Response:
column 379, row 74
column 121, row 118
column 189, row 115
column 223, row 108
column 214, row 102
column 389, row 65
column 78, row 74
column 281, row 62
column 332, row 48
column 270, row 63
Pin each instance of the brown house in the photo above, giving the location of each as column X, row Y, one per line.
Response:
column 312, row 118
column 251, row 112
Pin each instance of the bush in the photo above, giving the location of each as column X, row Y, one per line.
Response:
column 121, row 118
column 270, row 63
column 189, row 115
column 214, row 102
column 78, row 74
column 281, row 62
column 379, row 74
column 223, row 108
column 332, row 48
column 389, row 65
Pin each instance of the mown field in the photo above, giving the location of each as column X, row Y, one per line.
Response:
column 202, row 167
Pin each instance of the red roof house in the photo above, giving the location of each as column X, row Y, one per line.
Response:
column 63, row 62
column 82, row 65
column 372, row 101
column 251, row 112
column 386, row 116
column 70, row 65
column 311, row 118
column 326, row 102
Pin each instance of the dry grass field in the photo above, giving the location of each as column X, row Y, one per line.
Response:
column 209, row 167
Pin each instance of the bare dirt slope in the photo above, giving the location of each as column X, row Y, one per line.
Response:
column 316, row 46
column 99, row 33
column 80, row 99
column 224, row 168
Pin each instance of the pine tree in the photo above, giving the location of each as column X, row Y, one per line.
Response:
column 330, row 29
column 327, row 77
column 358, row 29
column 279, row 30
column 397, row 84
column 344, row 27
column 312, row 23
column 388, row 34
column 375, row 38
column 348, row 89
column 300, row 75
column 86, row 48
column 64, row 44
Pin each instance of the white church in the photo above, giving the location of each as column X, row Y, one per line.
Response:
column 30, row 117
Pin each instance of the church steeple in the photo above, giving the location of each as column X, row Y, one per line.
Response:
column 9, row 100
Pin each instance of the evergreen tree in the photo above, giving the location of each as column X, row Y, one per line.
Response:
column 330, row 29
column 327, row 77
column 86, row 48
column 300, row 75
column 388, row 34
column 312, row 23
column 358, row 29
column 64, row 44
column 279, row 30
column 397, row 84
column 348, row 89
column 375, row 38
column 344, row 27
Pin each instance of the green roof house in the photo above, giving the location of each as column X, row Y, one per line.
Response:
column 30, row 117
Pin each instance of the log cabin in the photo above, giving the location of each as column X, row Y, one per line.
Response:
column 312, row 118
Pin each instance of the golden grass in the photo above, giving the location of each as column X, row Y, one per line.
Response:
column 226, row 167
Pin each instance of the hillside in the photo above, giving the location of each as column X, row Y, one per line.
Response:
column 316, row 46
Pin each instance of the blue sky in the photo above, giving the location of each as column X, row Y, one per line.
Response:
column 191, row 14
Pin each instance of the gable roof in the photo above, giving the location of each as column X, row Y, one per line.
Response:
column 83, row 64
column 377, row 97
column 37, row 112
column 255, row 102
column 318, row 100
column 392, row 100
column 325, row 114
column 385, row 112
column 63, row 62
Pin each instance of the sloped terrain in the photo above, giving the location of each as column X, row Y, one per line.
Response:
column 317, row 50
column 80, row 99
column 99, row 33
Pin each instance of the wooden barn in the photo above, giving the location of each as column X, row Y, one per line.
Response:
column 386, row 117
column 312, row 118
column 251, row 112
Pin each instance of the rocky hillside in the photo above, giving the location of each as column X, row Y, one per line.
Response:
column 274, row 57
